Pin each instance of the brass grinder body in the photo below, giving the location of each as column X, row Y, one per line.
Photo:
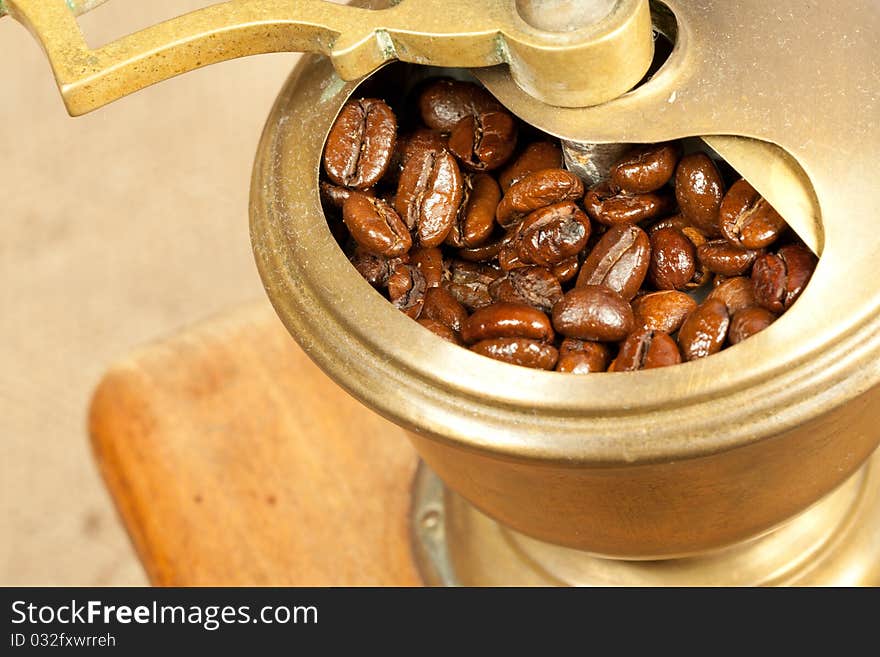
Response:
column 562, row 479
column 658, row 464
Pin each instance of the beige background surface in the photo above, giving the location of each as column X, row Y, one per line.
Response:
column 117, row 228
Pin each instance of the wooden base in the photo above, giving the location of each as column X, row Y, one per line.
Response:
column 233, row 461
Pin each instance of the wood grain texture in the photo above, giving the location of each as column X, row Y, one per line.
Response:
column 234, row 460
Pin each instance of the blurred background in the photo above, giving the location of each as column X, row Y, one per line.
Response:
column 120, row 227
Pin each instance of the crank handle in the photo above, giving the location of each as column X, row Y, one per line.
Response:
column 562, row 53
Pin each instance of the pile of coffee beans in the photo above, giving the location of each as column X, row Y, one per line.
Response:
column 470, row 224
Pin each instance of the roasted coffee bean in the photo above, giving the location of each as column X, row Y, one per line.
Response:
column 507, row 320
column 519, row 351
column 566, row 270
column 406, row 289
column 535, row 191
column 483, row 253
column 780, row 279
column 619, row 261
column 704, row 331
column 441, row 306
column 429, row 195
column 508, row 255
column 646, row 349
column 737, row 293
column 675, row 221
column 361, row 143
column 537, row 156
column 374, row 268
column 407, row 146
column 645, row 169
column 662, row 311
column 800, row 263
column 610, row 207
column 443, row 103
column 553, row 234
column 419, row 140
column 593, row 312
column 469, row 283
column 581, row 357
column 485, row 141
column 673, row 260
column 336, row 195
column 475, row 219
column 722, row 257
column 748, row 220
column 375, row 225
column 748, row 321
column 440, row 330
column 702, row 274
column 430, row 263
column 699, row 190
column 533, row 286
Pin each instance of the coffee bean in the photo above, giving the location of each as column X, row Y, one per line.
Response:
column 519, row 351
column 420, row 140
column 646, row 349
column 375, row 268
column 534, row 286
column 335, row 195
column 748, row 220
column 360, row 143
column 699, row 190
column 619, row 261
column 675, row 221
column 406, row 289
column 723, row 257
column 748, row 321
column 780, row 279
column 375, row 225
column 536, row 156
column 553, row 234
column 441, row 306
column 443, row 103
column 475, row 218
column 662, row 311
column 673, row 260
column 566, row 270
column 593, row 312
column 736, row 293
column 645, row 169
column 581, row 357
column 704, row 331
column 440, row 330
column 483, row 253
column 509, row 255
column 485, row 141
column 800, row 263
column 610, row 207
column 469, row 283
column 702, row 274
column 429, row 195
column 430, row 263
column 507, row 320
column 535, row 191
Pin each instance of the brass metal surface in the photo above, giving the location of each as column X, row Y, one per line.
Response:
column 597, row 61
column 834, row 543
column 659, row 463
